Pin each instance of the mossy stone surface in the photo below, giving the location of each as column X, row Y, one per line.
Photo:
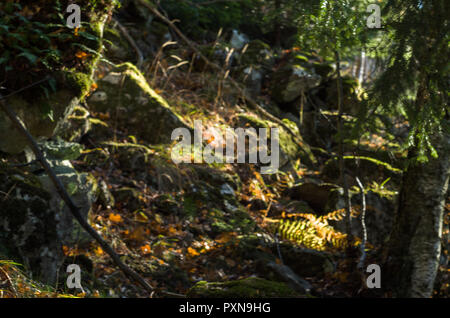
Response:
column 290, row 149
column 145, row 113
column 252, row 287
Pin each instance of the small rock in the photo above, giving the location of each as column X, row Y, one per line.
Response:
column 238, row 40
column 226, row 189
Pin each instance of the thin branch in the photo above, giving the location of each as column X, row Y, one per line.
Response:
column 25, row 88
column 140, row 57
column 363, row 224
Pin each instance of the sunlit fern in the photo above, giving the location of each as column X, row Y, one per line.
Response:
column 311, row 231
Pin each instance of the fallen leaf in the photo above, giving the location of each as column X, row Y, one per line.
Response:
column 146, row 249
column 116, row 218
column 192, row 252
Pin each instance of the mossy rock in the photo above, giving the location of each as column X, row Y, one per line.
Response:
column 217, row 177
column 225, row 213
column 315, row 195
column 252, row 287
column 146, row 114
column 62, row 150
column 79, row 83
column 42, row 118
column 233, row 221
column 77, row 125
column 305, row 262
column 80, row 186
column 28, row 224
column 289, row 81
column 43, row 114
column 350, row 99
column 290, row 149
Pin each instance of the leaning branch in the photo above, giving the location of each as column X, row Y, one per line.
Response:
column 139, row 55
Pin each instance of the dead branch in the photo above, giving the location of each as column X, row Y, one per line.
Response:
column 363, row 224
column 140, row 57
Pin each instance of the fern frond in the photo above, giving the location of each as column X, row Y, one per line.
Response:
column 311, row 231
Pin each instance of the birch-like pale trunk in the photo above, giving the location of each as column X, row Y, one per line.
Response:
column 415, row 244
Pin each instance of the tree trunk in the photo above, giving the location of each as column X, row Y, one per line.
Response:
column 340, row 128
column 415, row 244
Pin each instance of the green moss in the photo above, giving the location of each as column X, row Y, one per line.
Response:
column 237, row 220
column 287, row 143
column 375, row 161
column 251, row 287
column 111, row 34
column 140, row 83
column 79, row 83
column 382, row 192
column 252, row 121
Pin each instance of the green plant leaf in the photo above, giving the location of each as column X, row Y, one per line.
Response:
column 30, row 57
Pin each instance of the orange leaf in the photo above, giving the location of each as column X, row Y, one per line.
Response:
column 116, row 218
column 94, row 86
column 146, row 249
column 192, row 252
column 81, row 55
column 172, row 230
column 98, row 251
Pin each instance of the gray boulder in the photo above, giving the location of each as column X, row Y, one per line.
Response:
column 34, row 221
column 289, row 82
column 125, row 92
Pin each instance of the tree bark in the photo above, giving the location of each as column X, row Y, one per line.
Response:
column 342, row 177
column 415, row 245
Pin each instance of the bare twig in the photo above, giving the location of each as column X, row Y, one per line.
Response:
column 68, row 200
column 10, row 282
column 25, row 88
column 140, row 57
column 363, row 224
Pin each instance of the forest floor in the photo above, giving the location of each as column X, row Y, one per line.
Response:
column 180, row 224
